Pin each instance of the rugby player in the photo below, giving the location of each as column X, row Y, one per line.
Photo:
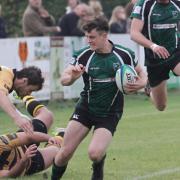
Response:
column 101, row 103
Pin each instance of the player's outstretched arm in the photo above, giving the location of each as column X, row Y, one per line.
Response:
column 36, row 137
column 71, row 74
column 10, row 109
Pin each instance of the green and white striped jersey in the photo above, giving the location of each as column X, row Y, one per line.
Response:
column 160, row 26
column 101, row 96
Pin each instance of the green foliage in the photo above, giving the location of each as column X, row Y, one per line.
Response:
column 12, row 11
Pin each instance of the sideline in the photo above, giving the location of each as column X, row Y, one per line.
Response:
column 158, row 173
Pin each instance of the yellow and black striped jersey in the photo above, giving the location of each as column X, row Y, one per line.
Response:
column 10, row 152
column 6, row 79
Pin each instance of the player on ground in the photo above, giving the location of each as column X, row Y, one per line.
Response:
column 23, row 82
column 101, row 103
column 18, row 156
column 154, row 26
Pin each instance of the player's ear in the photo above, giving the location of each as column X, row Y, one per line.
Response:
column 25, row 80
column 105, row 34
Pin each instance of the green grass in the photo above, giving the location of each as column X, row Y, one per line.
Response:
column 146, row 144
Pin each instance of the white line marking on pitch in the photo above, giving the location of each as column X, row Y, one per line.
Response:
column 159, row 173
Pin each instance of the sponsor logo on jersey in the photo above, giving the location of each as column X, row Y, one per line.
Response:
column 175, row 14
column 137, row 10
column 164, row 26
column 94, row 68
column 156, row 14
column 116, row 66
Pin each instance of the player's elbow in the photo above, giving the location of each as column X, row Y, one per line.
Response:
column 132, row 35
column 65, row 81
column 47, row 116
column 50, row 116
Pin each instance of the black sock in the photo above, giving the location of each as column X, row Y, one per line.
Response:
column 98, row 168
column 57, row 172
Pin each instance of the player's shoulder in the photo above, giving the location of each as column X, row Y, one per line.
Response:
column 6, row 70
column 82, row 52
column 124, row 49
column 139, row 6
column 177, row 2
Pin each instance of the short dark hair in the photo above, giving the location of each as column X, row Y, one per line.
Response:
column 33, row 74
column 99, row 23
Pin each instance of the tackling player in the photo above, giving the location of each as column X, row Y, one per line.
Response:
column 19, row 155
column 23, row 82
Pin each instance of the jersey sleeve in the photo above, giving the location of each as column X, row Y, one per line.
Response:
column 138, row 10
column 77, row 55
column 6, row 79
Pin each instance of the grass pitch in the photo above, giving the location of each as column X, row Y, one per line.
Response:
column 146, row 145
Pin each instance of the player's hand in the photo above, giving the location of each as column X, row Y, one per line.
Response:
column 134, row 87
column 25, row 124
column 30, row 152
column 78, row 70
column 161, row 51
column 56, row 140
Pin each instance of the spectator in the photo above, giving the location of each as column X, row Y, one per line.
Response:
column 37, row 21
column 129, row 7
column 84, row 19
column 97, row 7
column 71, row 5
column 69, row 22
column 118, row 20
column 3, row 33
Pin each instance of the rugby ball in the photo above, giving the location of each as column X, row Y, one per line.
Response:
column 126, row 74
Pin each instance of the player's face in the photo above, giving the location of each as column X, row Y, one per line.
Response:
column 23, row 88
column 96, row 39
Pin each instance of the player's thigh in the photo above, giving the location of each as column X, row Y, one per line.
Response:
column 75, row 133
column 176, row 70
column 100, row 141
column 159, row 93
column 48, row 155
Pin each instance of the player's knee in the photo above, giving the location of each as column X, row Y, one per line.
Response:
column 95, row 154
column 161, row 107
column 50, row 117
column 46, row 116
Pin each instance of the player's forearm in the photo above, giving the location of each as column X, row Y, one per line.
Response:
column 19, row 167
column 66, row 79
column 40, row 137
column 141, row 39
column 36, row 137
column 142, row 75
column 8, row 107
